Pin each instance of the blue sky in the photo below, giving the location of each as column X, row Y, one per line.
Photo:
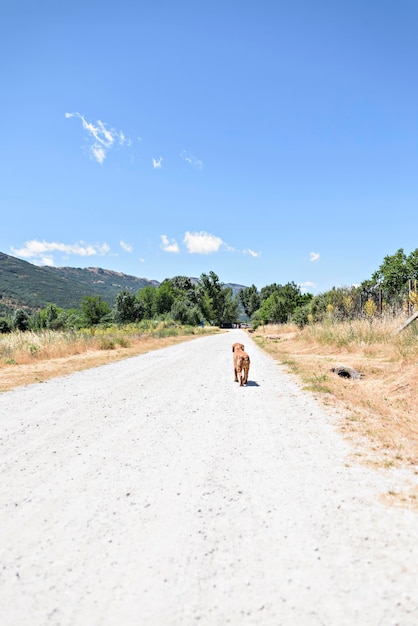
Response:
column 268, row 141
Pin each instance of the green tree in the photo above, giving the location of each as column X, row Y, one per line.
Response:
column 164, row 297
column 146, row 298
column 178, row 297
column 300, row 316
column 127, row 308
column 279, row 301
column 182, row 312
column 412, row 265
column 268, row 290
column 393, row 275
column 216, row 301
column 94, row 309
column 5, row 326
column 250, row 300
column 274, row 309
column 21, row 320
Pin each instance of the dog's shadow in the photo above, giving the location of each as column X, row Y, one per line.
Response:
column 252, row 383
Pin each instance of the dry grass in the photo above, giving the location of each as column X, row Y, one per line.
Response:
column 378, row 412
column 36, row 357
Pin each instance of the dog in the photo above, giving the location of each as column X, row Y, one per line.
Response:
column 241, row 364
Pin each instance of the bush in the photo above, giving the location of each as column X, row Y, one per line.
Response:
column 21, row 320
column 5, row 327
column 300, row 317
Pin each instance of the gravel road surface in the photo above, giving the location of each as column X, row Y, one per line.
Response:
column 157, row 492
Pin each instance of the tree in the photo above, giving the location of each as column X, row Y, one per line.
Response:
column 274, row 309
column 250, row 300
column 300, row 316
column 94, row 309
column 146, row 297
column 21, row 320
column 268, row 290
column 127, row 308
column 182, row 312
column 412, row 265
column 164, row 297
column 5, row 327
column 216, row 302
column 279, row 301
column 393, row 275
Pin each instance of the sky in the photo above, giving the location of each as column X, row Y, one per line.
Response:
column 267, row 141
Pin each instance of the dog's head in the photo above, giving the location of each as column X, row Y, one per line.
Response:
column 237, row 346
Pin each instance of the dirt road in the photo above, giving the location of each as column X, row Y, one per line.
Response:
column 157, row 492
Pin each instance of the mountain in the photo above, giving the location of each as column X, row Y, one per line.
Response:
column 28, row 286
column 24, row 285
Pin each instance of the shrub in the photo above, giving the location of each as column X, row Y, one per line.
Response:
column 21, row 320
column 5, row 327
column 301, row 317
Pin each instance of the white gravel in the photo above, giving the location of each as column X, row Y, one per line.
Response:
column 157, row 492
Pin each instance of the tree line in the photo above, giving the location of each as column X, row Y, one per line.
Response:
column 391, row 288
column 181, row 299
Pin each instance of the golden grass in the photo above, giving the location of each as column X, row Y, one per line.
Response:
column 378, row 412
column 36, row 357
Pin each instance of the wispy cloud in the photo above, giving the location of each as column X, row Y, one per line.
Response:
column 101, row 138
column 41, row 252
column 192, row 160
column 157, row 164
column 252, row 253
column 314, row 256
column 126, row 246
column 202, row 243
column 169, row 246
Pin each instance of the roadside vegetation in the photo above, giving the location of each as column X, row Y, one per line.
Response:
column 37, row 356
column 378, row 412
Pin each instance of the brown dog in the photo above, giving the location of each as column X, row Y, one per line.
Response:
column 241, row 364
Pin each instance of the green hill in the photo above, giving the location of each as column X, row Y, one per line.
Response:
column 28, row 286
column 24, row 285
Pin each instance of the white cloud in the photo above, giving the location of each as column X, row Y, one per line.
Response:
column 157, row 164
column 192, row 160
column 252, row 253
column 314, row 256
column 126, row 246
column 169, row 246
column 41, row 252
column 46, row 260
column 308, row 284
column 102, row 138
column 202, row 243
column 99, row 153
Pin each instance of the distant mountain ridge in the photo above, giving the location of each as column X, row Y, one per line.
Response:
column 28, row 286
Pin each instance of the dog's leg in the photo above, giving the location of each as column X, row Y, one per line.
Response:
column 241, row 379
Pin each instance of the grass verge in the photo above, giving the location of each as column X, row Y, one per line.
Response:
column 36, row 357
column 378, row 413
